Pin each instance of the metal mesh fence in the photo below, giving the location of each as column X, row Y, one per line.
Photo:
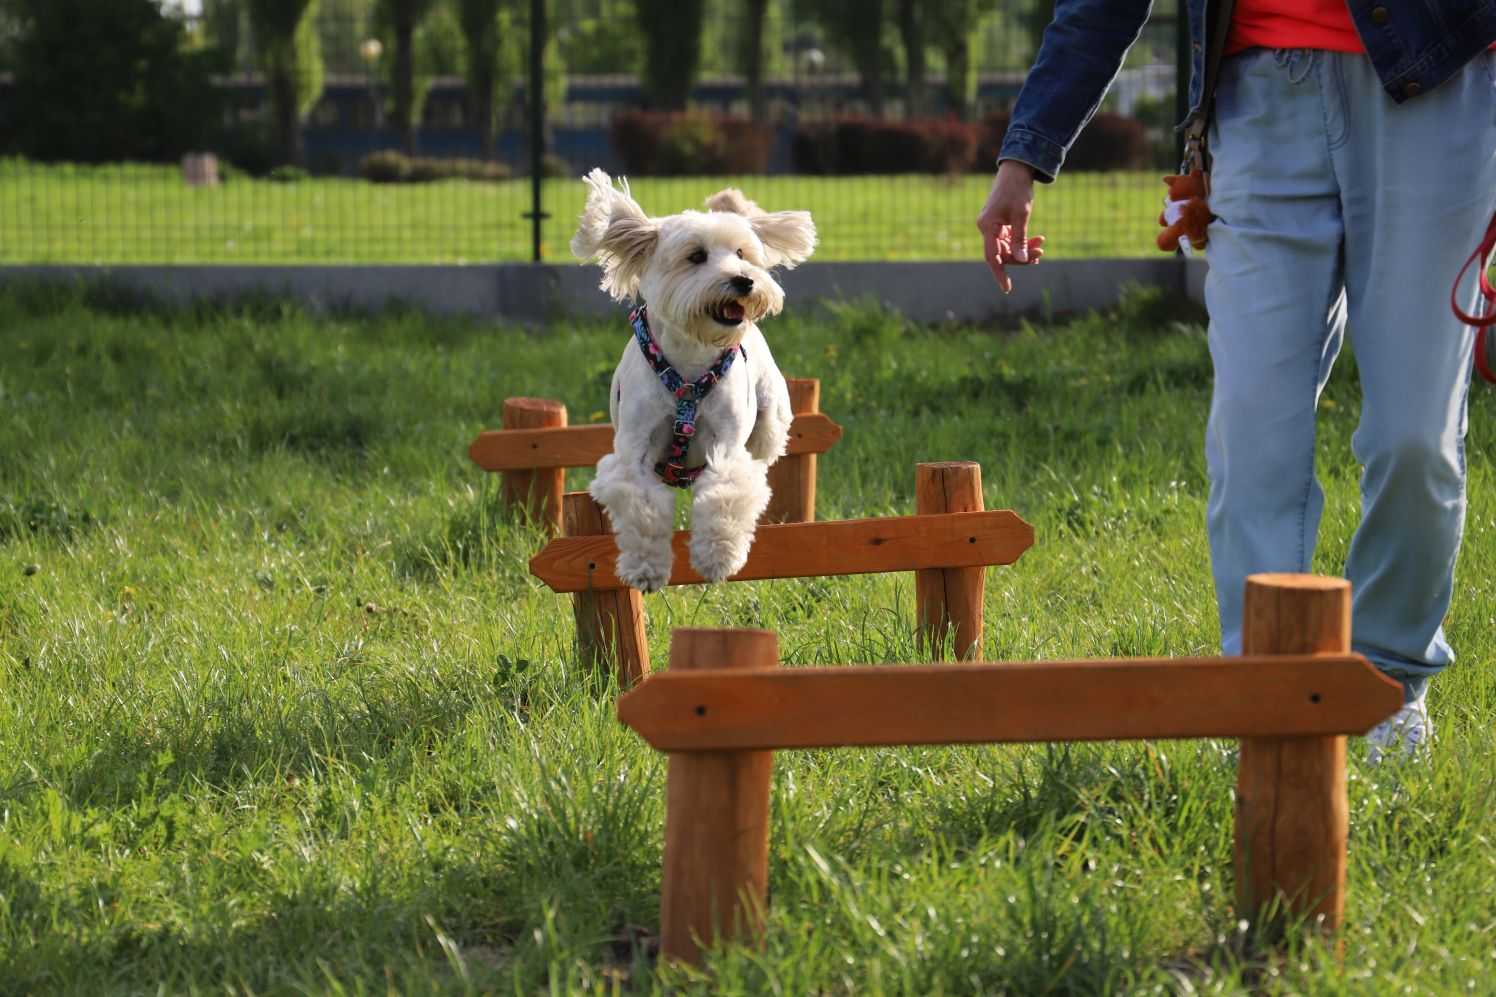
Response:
column 882, row 118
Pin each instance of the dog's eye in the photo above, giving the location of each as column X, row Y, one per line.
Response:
column 740, row 254
column 698, row 257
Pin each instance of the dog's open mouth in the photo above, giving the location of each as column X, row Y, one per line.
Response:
column 728, row 312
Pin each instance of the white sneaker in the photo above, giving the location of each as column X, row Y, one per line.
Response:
column 1405, row 736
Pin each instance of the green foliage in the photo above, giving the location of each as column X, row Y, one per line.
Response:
column 288, row 50
column 672, row 50
column 951, row 27
column 863, row 31
column 102, row 80
column 491, row 55
column 604, row 37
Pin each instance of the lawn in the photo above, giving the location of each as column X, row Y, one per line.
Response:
column 284, row 712
column 145, row 214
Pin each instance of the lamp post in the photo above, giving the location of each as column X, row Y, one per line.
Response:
column 370, row 50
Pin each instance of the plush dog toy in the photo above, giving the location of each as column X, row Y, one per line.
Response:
column 697, row 401
column 1185, row 215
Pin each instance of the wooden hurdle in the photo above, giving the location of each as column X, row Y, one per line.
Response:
column 723, row 708
column 948, row 545
column 536, row 445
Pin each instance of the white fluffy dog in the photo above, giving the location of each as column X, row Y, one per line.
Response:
column 697, row 400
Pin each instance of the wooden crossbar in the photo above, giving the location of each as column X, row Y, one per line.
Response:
column 803, row 550
column 724, row 708
column 735, row 709
column 584, row 446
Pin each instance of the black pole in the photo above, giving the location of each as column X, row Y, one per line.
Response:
column 537, row 120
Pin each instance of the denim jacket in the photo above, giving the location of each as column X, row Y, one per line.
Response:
column 1413, row 46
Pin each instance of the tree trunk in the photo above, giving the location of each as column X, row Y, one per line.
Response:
column 958, row 79
column 758, row 109
column 483, row 111
column 282, row 85
column 914, row 59
column 869, row 35
column 405, row 30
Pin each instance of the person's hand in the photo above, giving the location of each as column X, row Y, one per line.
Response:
column 1004, row 222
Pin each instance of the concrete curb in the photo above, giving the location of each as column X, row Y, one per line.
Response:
column 958, row 291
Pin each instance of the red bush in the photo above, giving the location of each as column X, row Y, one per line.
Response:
column 691, row 144
column 1108, row 142
column 873, row 145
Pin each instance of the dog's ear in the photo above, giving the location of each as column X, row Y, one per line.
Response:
column 616, row 231
column 733, row 201
column 789, row 237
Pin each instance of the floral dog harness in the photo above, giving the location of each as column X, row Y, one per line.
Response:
column 673, row 470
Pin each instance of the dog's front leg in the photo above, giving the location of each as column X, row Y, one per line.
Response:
column 641, row 508
column 771, row 427
column 730, row 496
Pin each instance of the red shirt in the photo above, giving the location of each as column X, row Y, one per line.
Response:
column 1321, row 24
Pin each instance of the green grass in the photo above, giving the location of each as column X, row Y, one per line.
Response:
column 144, row 214
column 283, row 711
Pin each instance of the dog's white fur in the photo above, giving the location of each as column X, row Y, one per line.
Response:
column 684, row 267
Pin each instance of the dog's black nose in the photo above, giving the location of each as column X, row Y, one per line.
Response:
column 741, row 284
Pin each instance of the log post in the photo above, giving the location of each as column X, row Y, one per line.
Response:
column 949, row 597
column 793, row 478
column 1291, row 809
column 716, row 868
column 539, row 491
column 610, row 623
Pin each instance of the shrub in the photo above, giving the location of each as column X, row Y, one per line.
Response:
column 390, row 166
column 872, row 145
column 1108, row 142
column 553, row 167
column 288, row 174
column 690, row 143
column 248, row 146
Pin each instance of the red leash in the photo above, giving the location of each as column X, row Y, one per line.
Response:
column 1485, row 341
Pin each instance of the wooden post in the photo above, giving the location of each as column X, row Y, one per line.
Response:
column 610, row 623
column 949, row 597
column 793, row 477
column 716, row 868
column 539, row 491
column 1291, row 810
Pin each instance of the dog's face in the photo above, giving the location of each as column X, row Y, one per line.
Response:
column 703, row 273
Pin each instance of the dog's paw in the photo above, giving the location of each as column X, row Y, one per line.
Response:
column 768, row 439
column 645, row 572
column 720, row 557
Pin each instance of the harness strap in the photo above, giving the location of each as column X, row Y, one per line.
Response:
column 688, row 394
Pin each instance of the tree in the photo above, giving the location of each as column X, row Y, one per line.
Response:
column 486, row 31
column 753, row 59
column 401, row 18
column 105, row 80
column 672, row 50
column 911, row 30
column 856, row 28
column 290, row 55
column 953, row 31
column 221, row 24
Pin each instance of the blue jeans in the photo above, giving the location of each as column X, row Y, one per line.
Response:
column 1341, row 210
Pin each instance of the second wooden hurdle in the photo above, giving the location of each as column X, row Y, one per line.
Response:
column 536, row 446
column 948, row 544
column 724, row 707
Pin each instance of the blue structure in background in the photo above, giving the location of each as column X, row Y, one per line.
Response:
column 345, row 126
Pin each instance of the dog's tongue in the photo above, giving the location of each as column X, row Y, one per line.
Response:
column 733, row 310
